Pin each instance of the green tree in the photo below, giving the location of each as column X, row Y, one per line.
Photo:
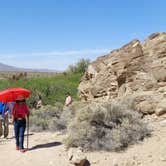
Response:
column 80, row 66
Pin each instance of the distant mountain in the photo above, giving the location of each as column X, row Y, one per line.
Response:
column 4, row 67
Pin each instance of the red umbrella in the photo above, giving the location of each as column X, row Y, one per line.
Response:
column 12, row 94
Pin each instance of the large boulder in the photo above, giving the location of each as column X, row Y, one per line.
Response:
column 135, row 68
column 77, row 157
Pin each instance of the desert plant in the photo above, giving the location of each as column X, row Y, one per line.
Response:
column 41, row 119
column 66, row 116
column 105, row 127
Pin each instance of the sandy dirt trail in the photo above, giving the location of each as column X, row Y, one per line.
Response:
column 46, row 149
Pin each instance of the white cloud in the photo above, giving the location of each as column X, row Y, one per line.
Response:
column 8, row 56
column 58, row 60
column 73, row 52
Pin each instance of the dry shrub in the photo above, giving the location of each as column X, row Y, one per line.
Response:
column 53, row 118
column 66, row 117
column 60, row 124
column 42, row 119
column 106, row 127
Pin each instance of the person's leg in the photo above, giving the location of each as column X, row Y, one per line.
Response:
column 16, row 132
column 1, row 128
column 6, row 126
column 22, row 131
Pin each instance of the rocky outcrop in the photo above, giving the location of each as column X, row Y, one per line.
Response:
column 77, row 157
column 138, row 68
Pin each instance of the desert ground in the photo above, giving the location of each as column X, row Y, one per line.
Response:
column 47, row 149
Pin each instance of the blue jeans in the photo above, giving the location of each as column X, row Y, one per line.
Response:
column 19, row 130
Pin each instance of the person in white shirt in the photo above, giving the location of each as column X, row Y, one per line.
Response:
column 68, row 100
column 39, row 103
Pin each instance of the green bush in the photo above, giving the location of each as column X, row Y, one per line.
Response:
column 105, row 127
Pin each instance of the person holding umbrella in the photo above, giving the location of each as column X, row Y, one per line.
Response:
column 19, row 114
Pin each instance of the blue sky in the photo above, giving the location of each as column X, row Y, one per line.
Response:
column 53, row 34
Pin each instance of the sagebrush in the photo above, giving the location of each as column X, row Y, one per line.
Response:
column 107, row 126
column 43, row 118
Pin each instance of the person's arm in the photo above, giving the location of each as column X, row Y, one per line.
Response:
column 13, row 113
column 7, row 110
column 27, row 110
column 12, row 119
column 65, row 102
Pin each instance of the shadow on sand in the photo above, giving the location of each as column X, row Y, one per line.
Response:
column 87, row 163
column 47, row 145
column 25, row 135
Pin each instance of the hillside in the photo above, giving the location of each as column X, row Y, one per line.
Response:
column 5, row 67
column 137, row 71
column 114, row 89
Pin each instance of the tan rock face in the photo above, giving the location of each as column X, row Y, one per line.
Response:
column 134, row 68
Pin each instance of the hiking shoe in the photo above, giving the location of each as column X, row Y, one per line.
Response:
column 17, row 148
